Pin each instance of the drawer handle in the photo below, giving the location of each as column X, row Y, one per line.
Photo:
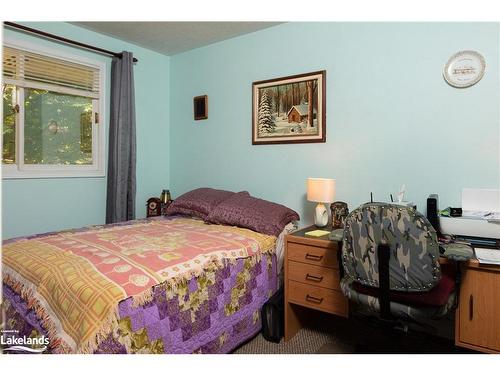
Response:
column 314, row 257
column 314, row 299
column 471, row 307
column 314, row 278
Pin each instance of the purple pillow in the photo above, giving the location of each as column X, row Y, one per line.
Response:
column 259, row 215
column 199, row 202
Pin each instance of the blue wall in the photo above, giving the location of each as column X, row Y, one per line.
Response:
column 38, row 205
column 391, row 117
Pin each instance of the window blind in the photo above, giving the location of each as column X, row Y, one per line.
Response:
column 25, row 66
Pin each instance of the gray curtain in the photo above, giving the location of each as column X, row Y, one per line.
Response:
column 120, row 199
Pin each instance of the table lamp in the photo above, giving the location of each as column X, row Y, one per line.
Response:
column 321, row 190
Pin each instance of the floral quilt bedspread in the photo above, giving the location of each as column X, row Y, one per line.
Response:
column 74, row 281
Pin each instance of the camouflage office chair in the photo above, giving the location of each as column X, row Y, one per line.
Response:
column 390, row 257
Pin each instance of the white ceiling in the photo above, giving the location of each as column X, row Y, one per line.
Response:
column 170, row 38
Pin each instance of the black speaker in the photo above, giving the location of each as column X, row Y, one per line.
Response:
column 433, row 212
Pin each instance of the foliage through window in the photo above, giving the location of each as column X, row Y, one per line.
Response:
column 56, row 128
column 9, row 125
column 50, row 116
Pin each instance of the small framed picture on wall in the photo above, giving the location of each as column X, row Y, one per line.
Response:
column 200, row 107
column 289, row 109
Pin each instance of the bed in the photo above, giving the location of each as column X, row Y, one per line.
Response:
column 170, row 284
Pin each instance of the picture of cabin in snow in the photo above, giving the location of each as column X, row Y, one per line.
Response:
column 300, row 113
column 289, row 109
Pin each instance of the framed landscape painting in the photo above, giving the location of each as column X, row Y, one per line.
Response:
column 289, row 109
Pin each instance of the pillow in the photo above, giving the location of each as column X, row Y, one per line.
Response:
column 259, row 215
column 199, row 202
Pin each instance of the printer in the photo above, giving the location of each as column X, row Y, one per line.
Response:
column 480, row 215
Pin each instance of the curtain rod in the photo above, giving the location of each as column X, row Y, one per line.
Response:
column 64, row 40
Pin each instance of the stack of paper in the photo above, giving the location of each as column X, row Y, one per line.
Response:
column 317, row 233
column 480, row 217
column 487, row 256
column 481, row 204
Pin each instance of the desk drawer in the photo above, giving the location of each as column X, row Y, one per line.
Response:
column 323, row 299
column 314, row 275
column 318, row 256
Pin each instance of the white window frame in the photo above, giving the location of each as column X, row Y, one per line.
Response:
column 97, row 169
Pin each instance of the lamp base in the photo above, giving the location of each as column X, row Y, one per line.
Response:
column 320, row 216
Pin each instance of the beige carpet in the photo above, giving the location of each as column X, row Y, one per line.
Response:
column 327, row 334
column 306, row 341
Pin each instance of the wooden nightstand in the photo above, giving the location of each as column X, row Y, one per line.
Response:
column 312, row 278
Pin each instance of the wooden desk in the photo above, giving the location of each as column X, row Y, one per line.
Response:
column 477, row 319
column 312, row 281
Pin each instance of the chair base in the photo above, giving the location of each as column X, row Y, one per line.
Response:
column 401, row 337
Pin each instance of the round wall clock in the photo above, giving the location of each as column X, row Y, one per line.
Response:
column 464, row 69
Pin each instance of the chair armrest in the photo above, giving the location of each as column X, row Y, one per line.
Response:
column 458, row 252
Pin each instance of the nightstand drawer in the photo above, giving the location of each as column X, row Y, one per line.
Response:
column 317, row 298
column 318, row 256
column 314, row 275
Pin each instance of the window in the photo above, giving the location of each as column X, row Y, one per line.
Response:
column 51, row 115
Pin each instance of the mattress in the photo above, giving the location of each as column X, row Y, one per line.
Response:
column 178, row 286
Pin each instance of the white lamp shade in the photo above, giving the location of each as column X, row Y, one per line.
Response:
column 321, row 190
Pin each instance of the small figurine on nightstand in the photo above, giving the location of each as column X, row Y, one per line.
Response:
column 339, row 214
column 166, row 199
